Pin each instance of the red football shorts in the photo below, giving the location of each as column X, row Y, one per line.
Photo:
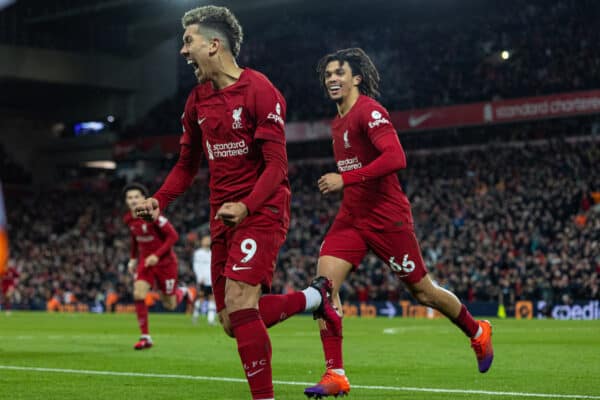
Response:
column 162, row 275
column 399, row 249
column 247, row 253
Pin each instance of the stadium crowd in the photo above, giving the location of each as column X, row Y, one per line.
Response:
column 552, row 46
column 524, row 224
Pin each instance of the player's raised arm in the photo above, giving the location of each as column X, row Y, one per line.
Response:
column 182, row 175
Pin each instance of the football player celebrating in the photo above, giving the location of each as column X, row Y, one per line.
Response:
column 235, row 116
column 152, row 261
column 375, row 213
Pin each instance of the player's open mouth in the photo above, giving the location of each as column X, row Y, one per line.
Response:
column 334, row 90
column 194, row 65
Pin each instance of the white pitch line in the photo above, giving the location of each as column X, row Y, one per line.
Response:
column 291, row 383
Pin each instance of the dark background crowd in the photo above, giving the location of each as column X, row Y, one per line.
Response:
column 523, row 224
column 449, row 57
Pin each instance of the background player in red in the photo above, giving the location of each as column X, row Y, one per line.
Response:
column 375, row 213
column 152, row 261
column 9, row 283
column 236, row 117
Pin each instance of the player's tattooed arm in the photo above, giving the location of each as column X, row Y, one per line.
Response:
column 151, row 260
column 331, row 183
column 232, row 214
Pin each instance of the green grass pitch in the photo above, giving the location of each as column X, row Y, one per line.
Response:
column 409, row 357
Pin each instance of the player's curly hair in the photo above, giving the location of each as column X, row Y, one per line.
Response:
column 359, row 63
column 135, row 186
column 219, row 22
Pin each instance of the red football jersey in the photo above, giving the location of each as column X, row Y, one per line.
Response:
column 148, row 238
column 229, row 122
column 373, row 204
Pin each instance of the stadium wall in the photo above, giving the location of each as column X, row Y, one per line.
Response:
column 583, row 310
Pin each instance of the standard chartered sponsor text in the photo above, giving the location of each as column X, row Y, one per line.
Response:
column 559, row 106
column 349, row 164
column 229, row 149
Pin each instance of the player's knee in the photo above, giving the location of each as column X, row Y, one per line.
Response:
column 228, row 331
column 239, row 296
column 226, row 325
column 426, row 298
column 234, row 302
column 140, row 290
column 170, row 303
column 139, row 294
column 233, row 299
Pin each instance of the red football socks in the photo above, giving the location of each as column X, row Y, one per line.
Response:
column 466, row 322
column 254, row 347
column 332, row 347
column 142, row 315
column 277, row 308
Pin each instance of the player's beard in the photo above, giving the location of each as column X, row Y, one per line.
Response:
column 338, row 97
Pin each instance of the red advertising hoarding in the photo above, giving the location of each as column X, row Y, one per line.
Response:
column 500, row 111
column 492, row 112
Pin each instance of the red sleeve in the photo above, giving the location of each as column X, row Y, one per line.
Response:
column 171, row 236
column 269, row 112
column 375, row 120
column 133, row 247
column 190, row 156
column 391, row 159
column 132, row 242
column 274, row 173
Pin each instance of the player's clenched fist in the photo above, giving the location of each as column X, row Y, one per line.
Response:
column 232, row 214
column 148, row 209
column 151, row 260
column 331, row 183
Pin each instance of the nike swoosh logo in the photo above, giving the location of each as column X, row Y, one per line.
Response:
column 413, row 122
column 201, row 120
column 251, row 374
column 236, row 268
